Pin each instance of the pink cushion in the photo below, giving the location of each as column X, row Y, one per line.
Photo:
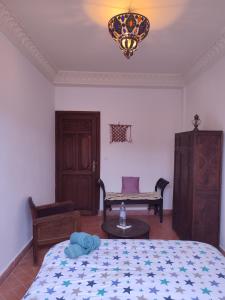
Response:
column 130, row 185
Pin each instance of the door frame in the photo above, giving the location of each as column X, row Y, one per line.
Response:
column 96, row 194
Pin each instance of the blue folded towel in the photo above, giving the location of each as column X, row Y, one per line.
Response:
column 81, row 243
column 75, row 250
column 85, row 240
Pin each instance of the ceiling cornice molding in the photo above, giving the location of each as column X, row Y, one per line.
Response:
column 116, row 79
column 208, row 59
column 15, row 33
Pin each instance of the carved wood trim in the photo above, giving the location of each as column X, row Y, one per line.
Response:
column 207, row 59
column 16, row 34
column 71, row 78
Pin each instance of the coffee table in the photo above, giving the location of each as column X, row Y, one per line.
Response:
column 138, row 229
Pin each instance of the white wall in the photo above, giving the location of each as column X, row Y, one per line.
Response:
column 155, row 115
column 26, row 148
column 206, row 96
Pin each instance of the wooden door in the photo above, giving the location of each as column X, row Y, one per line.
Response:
column 78, row 159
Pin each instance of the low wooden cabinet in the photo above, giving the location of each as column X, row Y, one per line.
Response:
column 197, row 185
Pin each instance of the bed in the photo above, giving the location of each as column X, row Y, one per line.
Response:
column 133, row 269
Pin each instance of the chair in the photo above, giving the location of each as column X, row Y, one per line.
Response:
column 52, row 224
column 152, row 199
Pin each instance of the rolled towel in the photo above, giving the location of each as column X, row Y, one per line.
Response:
column 85, row 240
column 75, row 250
column 96, row 242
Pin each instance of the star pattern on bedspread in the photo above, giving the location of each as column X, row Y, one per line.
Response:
column 133, row 270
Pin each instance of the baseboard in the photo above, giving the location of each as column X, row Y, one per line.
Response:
column 137, row 212
column 13, row 264
column 222, row 250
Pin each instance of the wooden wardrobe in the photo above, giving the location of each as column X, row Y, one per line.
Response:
column 197, row 185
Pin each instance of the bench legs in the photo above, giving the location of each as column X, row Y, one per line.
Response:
column 104, row 211
column 158, row 210
column 106, row 205
column 161, row 212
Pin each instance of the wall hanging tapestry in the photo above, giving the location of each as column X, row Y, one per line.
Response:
column 120, row 133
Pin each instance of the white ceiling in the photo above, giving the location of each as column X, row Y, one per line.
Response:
column 73, row 34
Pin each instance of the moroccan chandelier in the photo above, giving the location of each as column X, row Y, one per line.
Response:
column 128, row 29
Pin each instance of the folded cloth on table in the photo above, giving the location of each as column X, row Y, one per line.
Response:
column 85, row 240
column 81, row 243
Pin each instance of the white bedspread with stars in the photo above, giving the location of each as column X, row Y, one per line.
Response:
column 133, row 269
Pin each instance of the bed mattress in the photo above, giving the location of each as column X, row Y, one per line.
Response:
column 133, row 269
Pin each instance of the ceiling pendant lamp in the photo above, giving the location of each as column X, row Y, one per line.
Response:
column 128, row 30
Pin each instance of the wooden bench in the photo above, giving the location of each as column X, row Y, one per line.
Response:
column 152, row 199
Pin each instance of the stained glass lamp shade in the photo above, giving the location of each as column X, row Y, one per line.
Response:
column 128, row 29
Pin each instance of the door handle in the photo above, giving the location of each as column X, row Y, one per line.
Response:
column 93, row 166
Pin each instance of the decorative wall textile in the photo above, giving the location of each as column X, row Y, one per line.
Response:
column 120, row 133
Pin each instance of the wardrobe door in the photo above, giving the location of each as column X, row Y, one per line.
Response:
column 183, row 176
column 207, row 187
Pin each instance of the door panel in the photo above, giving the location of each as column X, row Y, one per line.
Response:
column 207, row 162
column 77, row 159
column 84, row 191
column 205, row 231
column 84, row 146
column 68, row 162
column 68, row 187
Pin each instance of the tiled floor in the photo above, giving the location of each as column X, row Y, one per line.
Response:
column 15, row 286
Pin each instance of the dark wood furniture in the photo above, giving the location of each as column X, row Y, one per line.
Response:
column 156, row 200
column 78, row 159
column 138, row 230
column 158, row 205
column 197, row 184
column 52, row 224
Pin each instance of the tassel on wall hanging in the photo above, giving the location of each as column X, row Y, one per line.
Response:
column 120, row 133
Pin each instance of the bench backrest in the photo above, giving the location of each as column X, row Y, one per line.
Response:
column 160, row 185
column 102, row 185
